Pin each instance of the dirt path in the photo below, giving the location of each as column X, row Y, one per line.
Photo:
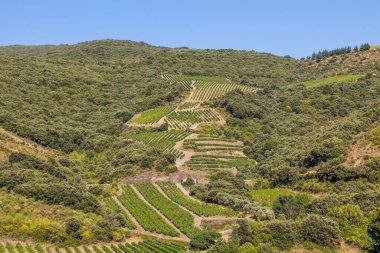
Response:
column 180, row 162
column 182, row 235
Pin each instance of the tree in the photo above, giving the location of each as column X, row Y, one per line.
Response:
column 222, row 246
column 364, row 47
column 320, row 230
column 286, row 205
column 284, row 233
column 243, row 232
column 248, row 248
column 73, row 226
column 203, row 240
column 374, row 233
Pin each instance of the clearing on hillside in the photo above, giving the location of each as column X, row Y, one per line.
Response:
column 151, row 116
column 215, row 152
column 186, row 119
column 205, row 90
column 327, row 81
column 162, row 140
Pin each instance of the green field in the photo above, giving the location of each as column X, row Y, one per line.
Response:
column 267, row 196
column 327, row 81
column 204, row 162
column 152, row 116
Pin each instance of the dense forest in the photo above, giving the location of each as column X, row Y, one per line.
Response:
column 75, row 100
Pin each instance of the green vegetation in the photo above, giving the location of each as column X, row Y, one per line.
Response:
column 77, row 99
column 152, row 116
column 116, row 208
column 266, row 197
column 374, row 136
column 164, row 141
column 201, row 209
column 215, row 79
column 187, row 105
column 200, row 162
column 183, row 220
column 151, row 246
column 338, row 51
column 185, row 119
column 144, row 214
column 205, row 91
column 328, row 81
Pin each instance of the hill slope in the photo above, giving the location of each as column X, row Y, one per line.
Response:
column 101, row 111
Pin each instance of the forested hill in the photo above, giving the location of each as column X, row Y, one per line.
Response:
column 70, row 97
column 76, row 96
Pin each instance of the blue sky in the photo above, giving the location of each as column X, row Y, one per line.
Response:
column 280, row 27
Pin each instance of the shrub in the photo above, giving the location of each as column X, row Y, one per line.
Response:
column 243, row 232
column 286, row 205
column 320, row 230
column 284, row 233
column 73, row 226
column 203, row 240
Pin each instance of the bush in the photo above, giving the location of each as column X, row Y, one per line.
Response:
column 320, row 230
column 243, row 232
column 374, row 232
column 286, row 205
column 73, row 227
column 203, row 240
column 284, row 233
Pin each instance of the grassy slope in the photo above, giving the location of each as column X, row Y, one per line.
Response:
column 327, row 81
column 23, row 217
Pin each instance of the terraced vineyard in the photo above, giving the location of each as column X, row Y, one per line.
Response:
column 117, row 209
column 205, row 90
column 202, row 162
column 164, row 141
column 152, row 116
column 213, row 143
column 185, row 119
column 197, row 207
column 146, row 216
column 146, row 246
column 182, row 219
column 178, row 79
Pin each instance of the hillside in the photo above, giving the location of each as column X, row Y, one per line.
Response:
column 105, row 142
